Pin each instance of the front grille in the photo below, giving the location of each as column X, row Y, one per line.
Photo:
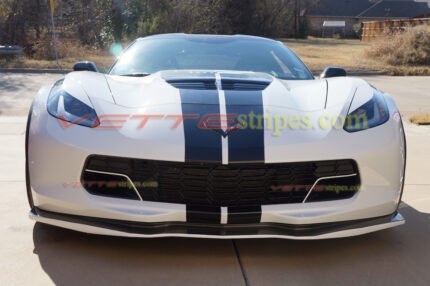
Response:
column 207, row 184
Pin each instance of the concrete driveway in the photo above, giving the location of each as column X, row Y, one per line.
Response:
column 35, row 254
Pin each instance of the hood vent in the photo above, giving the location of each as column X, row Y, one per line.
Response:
column 227, row 84
column 200, row 84
column 246, row 85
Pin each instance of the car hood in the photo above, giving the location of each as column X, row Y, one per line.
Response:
column 141, row 92
column 306, row 95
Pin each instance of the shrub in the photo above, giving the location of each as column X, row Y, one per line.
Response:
column 410, row 47
column 44, row 50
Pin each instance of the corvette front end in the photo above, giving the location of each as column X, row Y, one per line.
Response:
column 214, row 153
column 136, row 182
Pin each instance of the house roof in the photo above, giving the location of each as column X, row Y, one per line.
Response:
column 371, row 9
column 339, row 8
column 396, row 9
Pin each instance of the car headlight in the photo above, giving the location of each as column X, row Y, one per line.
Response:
column 68, row 108
column 371, row 114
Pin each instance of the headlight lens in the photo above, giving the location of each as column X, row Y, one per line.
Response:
column 371, row 114
column 66, row 107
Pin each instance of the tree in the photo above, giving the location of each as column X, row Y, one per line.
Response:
column 22, row 20
column 99, row 23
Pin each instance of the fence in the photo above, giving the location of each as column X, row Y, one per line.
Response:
column 373, row 30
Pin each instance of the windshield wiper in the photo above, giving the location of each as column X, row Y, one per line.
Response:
column 137, row 74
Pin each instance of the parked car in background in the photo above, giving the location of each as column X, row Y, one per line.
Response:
column 9, row 51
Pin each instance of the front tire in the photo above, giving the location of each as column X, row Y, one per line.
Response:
column 27, row 169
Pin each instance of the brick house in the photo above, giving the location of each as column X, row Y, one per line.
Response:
column 354, row 12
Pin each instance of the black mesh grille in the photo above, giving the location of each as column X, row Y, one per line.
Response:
column 233, row 185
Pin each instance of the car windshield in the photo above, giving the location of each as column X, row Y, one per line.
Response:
column 150, row 55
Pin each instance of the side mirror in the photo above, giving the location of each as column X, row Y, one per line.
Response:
column 85, row 66
column 333, row 72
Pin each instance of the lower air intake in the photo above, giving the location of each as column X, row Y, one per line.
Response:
column 206, row 184
column 109, row 185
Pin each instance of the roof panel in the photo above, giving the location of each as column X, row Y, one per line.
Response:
column 370, row 9
column 348, row 8
column 397, row 9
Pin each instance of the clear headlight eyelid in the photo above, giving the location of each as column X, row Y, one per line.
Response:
column 63, row 114
column 65, row 107
column 60, row 107
column 379, row 117
column 369, row 115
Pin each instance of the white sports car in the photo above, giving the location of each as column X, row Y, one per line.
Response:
column 214, row 137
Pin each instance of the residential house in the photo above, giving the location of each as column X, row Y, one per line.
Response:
column 353, row 12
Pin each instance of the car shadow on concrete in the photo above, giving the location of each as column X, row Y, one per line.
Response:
column 72, row 258
column 399, row 256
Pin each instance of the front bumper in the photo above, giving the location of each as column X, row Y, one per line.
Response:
column 54, row 187
column 120, row 228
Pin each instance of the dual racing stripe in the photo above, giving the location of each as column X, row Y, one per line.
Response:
column 202, row 214
column 244, row 215
column 201, row 145
column 213, row 215
column 246, row 144
column 204, row 144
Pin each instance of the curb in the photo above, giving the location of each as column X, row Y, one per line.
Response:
column 30, row 70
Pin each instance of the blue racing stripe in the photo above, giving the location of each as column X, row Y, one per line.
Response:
column 246, row 144
column 201, row 145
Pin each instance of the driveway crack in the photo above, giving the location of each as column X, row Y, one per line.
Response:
column 239, row 260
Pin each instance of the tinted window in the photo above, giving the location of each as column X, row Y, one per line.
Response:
column 211, row 53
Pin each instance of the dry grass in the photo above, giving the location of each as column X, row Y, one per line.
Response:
column 103, row 62
column 421, row 119
column 69, row 53
column 408, row 48
column 317, row 53
column 352, row 55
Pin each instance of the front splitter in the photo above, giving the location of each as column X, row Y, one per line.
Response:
column 118, row 228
